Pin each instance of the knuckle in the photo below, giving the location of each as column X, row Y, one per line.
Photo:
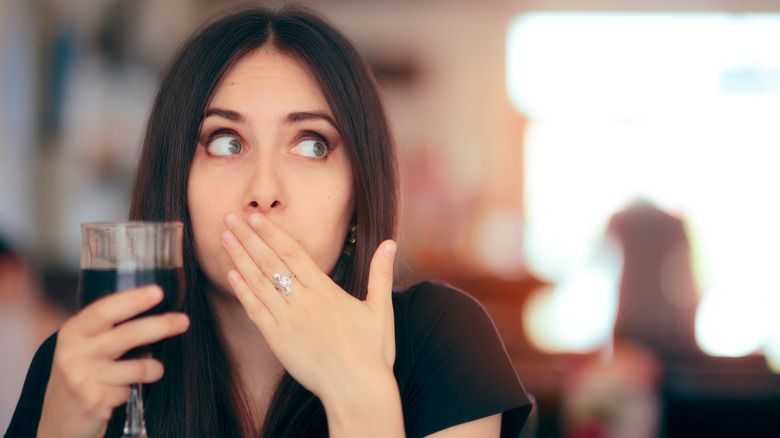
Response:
column 239, row 256
column 256, row 282
column 267, row 265
column 76, row 380
column 288, row 252
column 64, row 357
column 385, row 270
column 254, row 308
column 92, row 401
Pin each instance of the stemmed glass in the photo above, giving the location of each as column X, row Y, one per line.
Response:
column 117, row 256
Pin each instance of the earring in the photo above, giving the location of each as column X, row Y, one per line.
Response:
column 349, row 245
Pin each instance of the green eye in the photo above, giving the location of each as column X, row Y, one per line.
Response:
column 319, row 149
column 225, row 146
column 311, row 148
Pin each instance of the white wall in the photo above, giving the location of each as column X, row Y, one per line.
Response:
column 18, row 152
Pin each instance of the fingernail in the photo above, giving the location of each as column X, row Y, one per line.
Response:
column 389, row 249
column 234, row 277
column 255, row 221
column 182, row 320
column 155, row 292
column 229, row 239
column 231, row 220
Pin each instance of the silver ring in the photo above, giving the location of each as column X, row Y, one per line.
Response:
column 283, row 283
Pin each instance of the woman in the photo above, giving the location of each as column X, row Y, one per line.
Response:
column 269, row 141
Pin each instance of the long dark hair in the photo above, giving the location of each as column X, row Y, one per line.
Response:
column 197, row 396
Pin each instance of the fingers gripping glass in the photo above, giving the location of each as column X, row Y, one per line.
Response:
column 117, row 256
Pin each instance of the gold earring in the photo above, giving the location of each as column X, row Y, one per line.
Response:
column 349, row 245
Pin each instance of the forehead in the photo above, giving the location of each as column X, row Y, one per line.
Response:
column 268, row 75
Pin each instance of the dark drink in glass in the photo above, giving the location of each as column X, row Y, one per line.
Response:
column 117, row 256
column 97, row 283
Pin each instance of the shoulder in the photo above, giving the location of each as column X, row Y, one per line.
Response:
column 45, row 352
column 28, row 411
column 41, row 363
column 451, row 365
column 430, row 299
column 435, row 311
column 437, row 317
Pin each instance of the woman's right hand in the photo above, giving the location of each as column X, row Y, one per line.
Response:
column 87, row 381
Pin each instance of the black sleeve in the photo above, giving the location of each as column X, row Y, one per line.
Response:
column 27, row 415
column 451, row 364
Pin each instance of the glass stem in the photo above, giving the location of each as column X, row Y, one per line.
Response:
column 134, row 420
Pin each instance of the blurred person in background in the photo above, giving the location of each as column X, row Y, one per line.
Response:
column 658, row 297
column 618, row 393
column 269, row 141
column 27, row 318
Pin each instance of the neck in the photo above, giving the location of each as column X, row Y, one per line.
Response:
column 257, row 368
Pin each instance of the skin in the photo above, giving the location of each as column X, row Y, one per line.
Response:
column 343, row 349
column 86, row 380
column 270, row 191
column 276, row 171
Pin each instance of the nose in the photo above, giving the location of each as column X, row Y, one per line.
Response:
column 264, row 187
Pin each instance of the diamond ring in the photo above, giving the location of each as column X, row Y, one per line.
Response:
column 283, row 283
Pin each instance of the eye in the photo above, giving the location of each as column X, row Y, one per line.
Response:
column 225, row 145
column 311, row 148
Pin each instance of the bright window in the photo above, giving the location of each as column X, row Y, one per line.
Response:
column 679, row 109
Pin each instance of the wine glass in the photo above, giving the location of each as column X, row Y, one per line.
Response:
column 117, row 256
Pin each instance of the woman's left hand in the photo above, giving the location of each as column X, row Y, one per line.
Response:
column 328, row 340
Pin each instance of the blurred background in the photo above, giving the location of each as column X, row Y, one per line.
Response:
column 599, row 174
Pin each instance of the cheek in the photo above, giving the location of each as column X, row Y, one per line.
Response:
column 206, row 196
column 327, row 235
column 197, row 201
column 205, row 205
column 196, row 208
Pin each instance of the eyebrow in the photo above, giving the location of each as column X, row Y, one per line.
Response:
column 305, row 115
column 295, row 117
column 225, row 114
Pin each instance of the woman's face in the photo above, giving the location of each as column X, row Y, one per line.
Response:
column 268, row 144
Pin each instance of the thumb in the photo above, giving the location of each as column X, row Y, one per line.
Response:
column 380, row 277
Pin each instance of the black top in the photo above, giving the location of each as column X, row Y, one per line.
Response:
column 451, row 367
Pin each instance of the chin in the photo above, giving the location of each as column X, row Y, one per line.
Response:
column 324, row 258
